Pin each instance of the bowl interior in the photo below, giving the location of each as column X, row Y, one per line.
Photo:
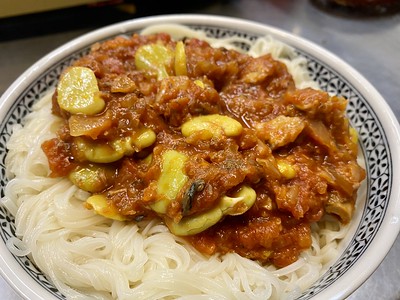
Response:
column 375, row 194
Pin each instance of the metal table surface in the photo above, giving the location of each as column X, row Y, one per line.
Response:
column 370, row 44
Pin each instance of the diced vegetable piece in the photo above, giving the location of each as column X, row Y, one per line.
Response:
column 171, row 181
column 344, row 177
column 320, row 133
column 270, row 166
column 91, row 126
column 78, row 92
column 154, row 57
column 214, row 125
column 242, row 201
column 343, row 210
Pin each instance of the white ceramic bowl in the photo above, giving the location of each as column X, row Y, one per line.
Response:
column 376, row 223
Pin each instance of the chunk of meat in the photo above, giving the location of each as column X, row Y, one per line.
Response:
column 280, row 131
column 179, row 97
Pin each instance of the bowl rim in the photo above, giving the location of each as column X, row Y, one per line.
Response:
column 390, row 227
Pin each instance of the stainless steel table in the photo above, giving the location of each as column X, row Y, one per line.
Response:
column 371, row 45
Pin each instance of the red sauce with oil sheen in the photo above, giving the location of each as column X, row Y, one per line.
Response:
column 251, row 90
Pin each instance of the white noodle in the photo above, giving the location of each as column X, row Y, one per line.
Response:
column 86, row 255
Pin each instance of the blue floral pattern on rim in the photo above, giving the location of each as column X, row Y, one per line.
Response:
column 371, row 134
column 377, row 155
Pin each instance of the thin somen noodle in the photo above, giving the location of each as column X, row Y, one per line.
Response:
column 87, row 255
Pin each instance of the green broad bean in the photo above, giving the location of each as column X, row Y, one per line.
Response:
column 180, row 59
column 144, row 138
column 115, row 150
column 78, row 92
column 242, row 201
column 154, row 57
column 92, row 178
column 286, row 169
column 171, row 180
column 104, row 208
column 214, row 125
column 98, row 153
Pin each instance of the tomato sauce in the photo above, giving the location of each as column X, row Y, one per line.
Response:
column 296, row 149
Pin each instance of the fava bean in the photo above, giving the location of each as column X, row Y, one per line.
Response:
column 78, row 92
column 104, row 208
column 286, row 169
column 242, row 201
column 110, row 152
column 98, row 153
column 180, row 59
column 214, row 125
column 144, row 138
column 171, row 180
column 154, row 57
column 92, row 178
